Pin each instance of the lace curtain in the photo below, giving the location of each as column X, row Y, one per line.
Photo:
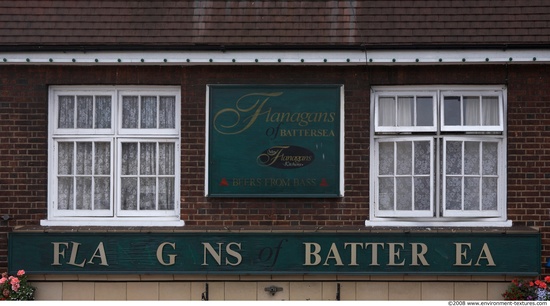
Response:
column 404, row 167
column 471, row 175
column 148, row 112
column 167, row 162
column 65, row 171
column 91, row 112
column 80, row 164
column 154, row 174
column 85, row 166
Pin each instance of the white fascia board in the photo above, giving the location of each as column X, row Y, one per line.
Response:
column 397, row 57
column 298, row 57
column 186, row 58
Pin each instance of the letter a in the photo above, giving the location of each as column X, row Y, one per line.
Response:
column 486, row 254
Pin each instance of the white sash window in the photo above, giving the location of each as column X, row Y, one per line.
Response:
column 114, row 156
column 438, row 156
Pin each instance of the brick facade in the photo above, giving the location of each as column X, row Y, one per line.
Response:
column 24, row 137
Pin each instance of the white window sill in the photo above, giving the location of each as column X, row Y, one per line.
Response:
column 387, row 223
column 152, row 222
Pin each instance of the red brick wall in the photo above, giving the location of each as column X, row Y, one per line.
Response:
column 24, row 122
column 529, row 150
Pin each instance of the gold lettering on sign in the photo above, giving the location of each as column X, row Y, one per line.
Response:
column 374, row 252
column 59, row 249
column 396, row 253
column 216, row 255
column 307, row 133
column 242, row 118
column 74, row 252
column 486, row 254
column 250, row 107
column 312, row 253
column 460, row 253
column 171, row 257
column 333, row 254
column 231, row 249
column 99, row 253
column 58, row 252
column 236, row 255
column 353, row 255
column 416, row 255
column 462, row 257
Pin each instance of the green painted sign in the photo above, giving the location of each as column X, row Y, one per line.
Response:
column 273, row 253
column 275, row 141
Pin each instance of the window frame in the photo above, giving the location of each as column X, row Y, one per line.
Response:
column 472, row 128
column 54, row 183
column 115, row 135
column 441, row 217
column 405, row 213
column 500, row 198
column 414, row 128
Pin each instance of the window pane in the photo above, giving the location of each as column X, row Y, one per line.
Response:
column 386, row 164
column 65, row 193
column 424, row 111
column 84, row 193
column 490, row 158
column 472, row 109
column 453, row 158
column 65, row 158
column 148, row 158
column 84, row 158
column 386, row 111
column 422, row 157
column 404, row 193
column 66, row 112
column 167, row 112
column 489, row 193
column 148, row 112
column 102, row 193
column 84, row 112
column 471, row 157
column 147, row 193
column 404, row 157
column 128, row 192
column 103, row 112
column 102, row 161
column 453, row 193
column 405, row 111
column 166, row 193
column 471, row 193
column 167, row 160
column 385, row 193
column 129, row 158
column 452, row 111
column 422, row 193
column 490, row 110
column 130, row 112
